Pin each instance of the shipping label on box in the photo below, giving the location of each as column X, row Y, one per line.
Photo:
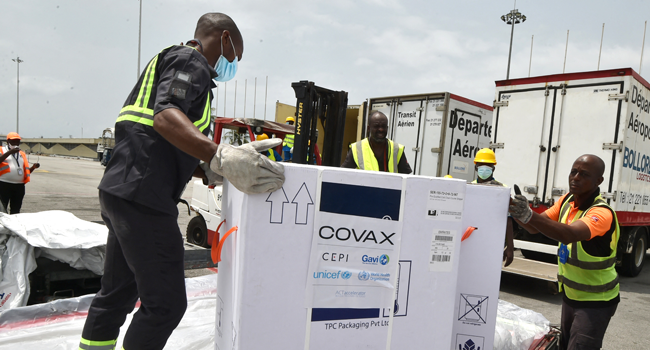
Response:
column 356, row 242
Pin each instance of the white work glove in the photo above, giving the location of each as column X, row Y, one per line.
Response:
column 519, row 209
column 247, row 169
column 212, row 177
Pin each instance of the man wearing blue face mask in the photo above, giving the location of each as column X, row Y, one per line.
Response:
column 160, row 138
column 485, row 161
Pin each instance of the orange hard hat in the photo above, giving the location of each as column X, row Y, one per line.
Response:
column 13, row 136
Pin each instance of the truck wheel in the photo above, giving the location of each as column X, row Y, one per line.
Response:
column 633, row 263
column 197, row 232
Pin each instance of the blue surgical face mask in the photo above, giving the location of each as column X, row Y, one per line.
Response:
column 226, row 70
column 484, row 172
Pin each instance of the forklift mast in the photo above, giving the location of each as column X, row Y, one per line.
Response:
column 313, row 103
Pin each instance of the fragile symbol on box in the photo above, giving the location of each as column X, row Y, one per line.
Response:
column 469, row 342
column 473, row 308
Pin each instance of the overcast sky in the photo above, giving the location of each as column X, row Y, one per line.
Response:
column 80, row 57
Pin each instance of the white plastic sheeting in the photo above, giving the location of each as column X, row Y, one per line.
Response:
column 57, row 325
column 517, row 328
column 56, row 235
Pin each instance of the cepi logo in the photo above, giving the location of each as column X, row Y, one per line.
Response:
column 364, row 276
column 374, row 260
column 333, row 275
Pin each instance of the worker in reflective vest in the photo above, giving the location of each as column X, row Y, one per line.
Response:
column 484, row 163
column 588, row 232
column 15, row 172
column 376, row 152
column 272, row 154
column 287, row 143
column 160, row 138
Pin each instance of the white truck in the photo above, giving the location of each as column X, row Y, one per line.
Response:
column 542, row 124
column 203, row 228
column 441, row 132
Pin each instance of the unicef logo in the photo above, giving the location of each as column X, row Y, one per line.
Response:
column 346, row 275
column 364, row 276
column 384, row 259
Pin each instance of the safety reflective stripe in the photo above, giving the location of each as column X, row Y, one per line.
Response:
column 6, row 167
column 97, row 345
column 588, row 288
column 138, row 112
column 147, row 86
column 360, row 162
column 588, row 265
column 394, row 155
column 205, row 120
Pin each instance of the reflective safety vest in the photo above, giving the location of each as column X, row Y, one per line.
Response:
column 140, row 111
column 288, row 140
column 269, row 153
column 585, row 277
column 4, row 166
column 365, row 158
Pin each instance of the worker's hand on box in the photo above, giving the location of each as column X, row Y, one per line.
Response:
column 247, row 169
column 211, row 177
column 519, row 209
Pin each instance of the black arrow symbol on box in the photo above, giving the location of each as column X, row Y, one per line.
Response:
column 302, row 200
column 277, row 200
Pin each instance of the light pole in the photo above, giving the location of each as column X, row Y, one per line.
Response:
column 18, row 62
column 512, row 18
column 139, row 39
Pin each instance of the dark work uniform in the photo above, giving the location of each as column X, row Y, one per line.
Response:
column 138, row 194
column 403, row 166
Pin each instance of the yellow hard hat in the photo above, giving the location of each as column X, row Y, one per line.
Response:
column 485, row 155
column 290, row 119
column 448, row 176
column 262, row 137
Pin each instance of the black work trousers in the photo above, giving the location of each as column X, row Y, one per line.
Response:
column 144, row 258
column 584, row 328
column 11, row 196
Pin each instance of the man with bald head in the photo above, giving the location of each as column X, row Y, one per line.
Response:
column 587, row 230
column 160, row 139
column 376, row 152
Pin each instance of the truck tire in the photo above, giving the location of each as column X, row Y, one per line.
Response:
column 633, row 263
column 197, row 232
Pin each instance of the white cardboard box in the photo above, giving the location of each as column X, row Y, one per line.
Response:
column 266, row 284
column 479, row 275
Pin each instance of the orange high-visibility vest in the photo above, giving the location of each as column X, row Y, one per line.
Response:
column 4, row 166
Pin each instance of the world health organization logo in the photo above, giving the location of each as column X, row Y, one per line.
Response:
column 384, row 259
column 346, row 275
column 364, row 276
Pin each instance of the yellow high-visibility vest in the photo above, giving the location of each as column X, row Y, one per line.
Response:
column 365, row 158
column 585, row 277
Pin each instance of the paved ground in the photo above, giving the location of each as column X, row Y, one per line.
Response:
column 71, row 185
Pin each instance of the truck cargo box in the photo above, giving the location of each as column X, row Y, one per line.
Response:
column 543, row 124
column 441, row 132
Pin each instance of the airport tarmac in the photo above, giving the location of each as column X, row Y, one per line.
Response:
column 70, row 184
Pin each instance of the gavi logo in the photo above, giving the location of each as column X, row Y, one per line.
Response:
column 374, row 260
